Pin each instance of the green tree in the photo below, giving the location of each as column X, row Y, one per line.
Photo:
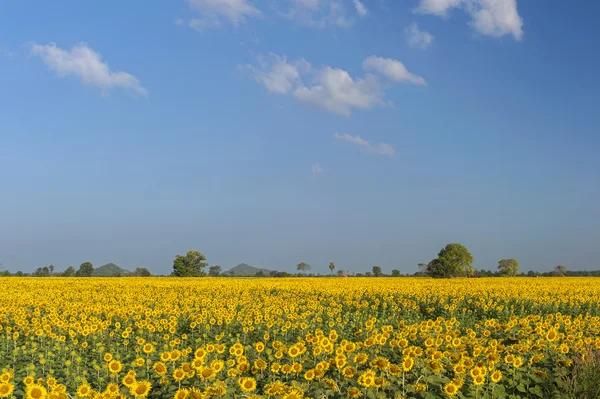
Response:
column 303, row 266
column 85, row 270
column 19, row 274
column 141, row 272
column 51, row 268
column 69, row 272
column 190, row 265
column 377, row 271
column 560, row 270
column 510, row 267
column 395, row 273
column 341, row 273
column 259, row 273
column 331, row 267
column 453, row 260
column 214, row 271
column 422, row 267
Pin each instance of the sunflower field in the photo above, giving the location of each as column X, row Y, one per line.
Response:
column 295, row 338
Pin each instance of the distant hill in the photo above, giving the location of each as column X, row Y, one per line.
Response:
column 246, row 270
column 110, row 270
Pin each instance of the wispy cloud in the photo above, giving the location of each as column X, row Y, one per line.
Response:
column 11, row 55
column 373, row 148
column 87, row 65
column 316, row 169
column 494, row 18
column 415, row 37
column 392, row 69
column 360, row 8
column 212, row 13
column 332, row 89
column 317, row 13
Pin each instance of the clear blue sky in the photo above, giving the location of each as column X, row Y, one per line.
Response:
column 268, row 132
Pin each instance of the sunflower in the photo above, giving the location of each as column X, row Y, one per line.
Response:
column 6, row 389
column 181, row 394
column 28, row 380
column 518, row 362
column 479, row 380
column 129, row 381
column 141, row 389
column 148, row 348
column 107, row 357
column 354, row 393
column 84, row 390
column 309, row 375
column 178, row 374
column 160, row 368
column 367, row 379
column 450, row 389
column 496, row 376
column 247, row 384
column 36, row 391
column 112, row 389
column 115, row 366
column 407, row 364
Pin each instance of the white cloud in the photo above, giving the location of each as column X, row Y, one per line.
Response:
column 86, row 64
column 392, row 69
column 377, row 148
column 316, row 169
column 278, row 75
column 416, row 37
column 212, row 12
column 318, row 13
column 332, row 89
column 360, row 8
column 438, row 7
column 494, row 18
column 337, row 92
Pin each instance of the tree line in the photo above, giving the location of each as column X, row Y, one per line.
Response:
column 454, row 260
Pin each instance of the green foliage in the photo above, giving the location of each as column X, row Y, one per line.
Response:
column 214, row 271
column 509, row 267
column 560, row 270
column 377, row 271
column 69, row 272
column 245, row 270
column 453, row 260
column 110, row 270
column 331, row 267
column 303, row 266
column 582, row 381
column 86, row 269
column 141, row 272
column 190, row 265
column 395, row 273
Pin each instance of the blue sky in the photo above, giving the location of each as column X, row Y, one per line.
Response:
column 366, row 133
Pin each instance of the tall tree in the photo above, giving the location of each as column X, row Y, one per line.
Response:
column 69, row 272
column 214, row 271
column 560, row 270
column 422, row 267
column 85, row 270
column 141, row 272
column 51, row 267
column 303, row 266
column 190, row 265
column 331, row 267
column 453, row 260
column 377, row 271
column 510, row 267
column 341, row 273
column 395, row 273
